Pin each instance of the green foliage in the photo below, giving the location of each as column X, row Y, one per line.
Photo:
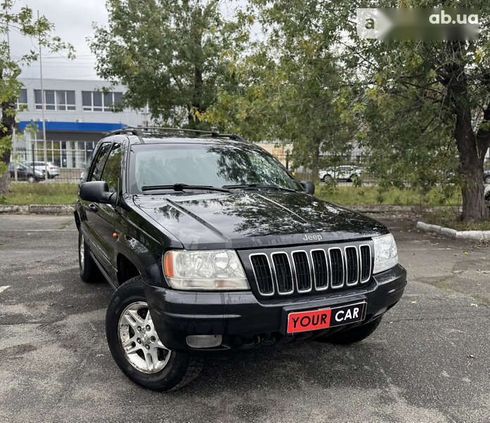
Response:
column 291, row 88
column 426, row 109
column 171, row 55
column 420, row 109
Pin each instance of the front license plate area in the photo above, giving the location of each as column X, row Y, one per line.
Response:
column 308, row 321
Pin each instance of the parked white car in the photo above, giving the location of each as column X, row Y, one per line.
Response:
column 52, row 169
column 341, row 173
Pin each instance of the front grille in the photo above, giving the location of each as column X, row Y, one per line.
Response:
column 319, row 269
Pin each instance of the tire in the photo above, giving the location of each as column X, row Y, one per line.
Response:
column 89, row 271
column 327, row 179
column 31, row 179
column 351, row 336
column 487, row 179
column 171, row 370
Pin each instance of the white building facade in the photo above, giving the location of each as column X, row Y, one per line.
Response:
column 77, row 114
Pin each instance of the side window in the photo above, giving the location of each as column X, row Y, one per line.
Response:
column 112, row 168
column 99, row 162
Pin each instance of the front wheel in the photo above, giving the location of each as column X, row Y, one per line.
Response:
column 136, row 347
column 351, row 336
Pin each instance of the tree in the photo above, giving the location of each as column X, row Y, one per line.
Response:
column 429, row 102
column 291, row 88
column 40, row 28
column 170, row 54
column 419, row 106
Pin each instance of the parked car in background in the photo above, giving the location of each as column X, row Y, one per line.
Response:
column 341, row 173
column 26, row 173
column 52, row 169
column 486, row 176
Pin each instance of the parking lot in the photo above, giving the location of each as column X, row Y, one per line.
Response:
column 428, row 362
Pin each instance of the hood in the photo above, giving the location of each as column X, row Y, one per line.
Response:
column 252, row 219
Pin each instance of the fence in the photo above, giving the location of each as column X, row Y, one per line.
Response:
column 66, row 160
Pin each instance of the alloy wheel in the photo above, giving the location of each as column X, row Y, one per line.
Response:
column 139, row 340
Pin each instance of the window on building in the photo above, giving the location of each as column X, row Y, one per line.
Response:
column 22, row 100
column 98, row 101
column 55, row 100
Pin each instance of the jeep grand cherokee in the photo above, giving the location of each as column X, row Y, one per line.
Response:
column 211, row 244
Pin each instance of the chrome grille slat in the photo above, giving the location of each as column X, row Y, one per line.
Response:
column 262, row 273
column 301, row 267
column 365, row 264
column 351, row 266
column 325, row 268
column 336, row 259
column 283, row 273
column 320, row 269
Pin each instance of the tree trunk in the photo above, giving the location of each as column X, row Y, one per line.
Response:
column 315, row 162
column 7, row 123
column 471, row 162
column 471, row 148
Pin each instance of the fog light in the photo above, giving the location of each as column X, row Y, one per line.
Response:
column 204, row 341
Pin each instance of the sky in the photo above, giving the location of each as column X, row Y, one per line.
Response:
column 73, row 21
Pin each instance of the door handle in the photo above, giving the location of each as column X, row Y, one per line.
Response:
column 93, row 207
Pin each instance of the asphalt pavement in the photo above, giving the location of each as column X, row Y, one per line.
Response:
column 429, row 361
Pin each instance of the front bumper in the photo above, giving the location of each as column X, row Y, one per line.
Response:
column 244, row 321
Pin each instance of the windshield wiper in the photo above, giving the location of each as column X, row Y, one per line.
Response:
column 182, row 187
column 258, row 186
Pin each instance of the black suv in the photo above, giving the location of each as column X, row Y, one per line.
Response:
column 212, row 245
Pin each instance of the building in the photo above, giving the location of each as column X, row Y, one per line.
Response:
column 77, row 114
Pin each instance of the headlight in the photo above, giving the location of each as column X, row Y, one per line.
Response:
column 385, row 253
column 208, row 270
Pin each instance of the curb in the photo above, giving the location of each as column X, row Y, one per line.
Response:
column 453, row 233
column 38, row 209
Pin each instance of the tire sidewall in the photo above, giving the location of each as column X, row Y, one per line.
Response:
column 176, row 368
column 85, row 271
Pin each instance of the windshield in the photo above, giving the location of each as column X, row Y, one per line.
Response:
column 205, row 164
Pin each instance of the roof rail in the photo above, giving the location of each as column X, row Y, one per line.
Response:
column 161, row 130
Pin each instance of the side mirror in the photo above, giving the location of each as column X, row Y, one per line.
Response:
column 309, row 187
column 97, row 192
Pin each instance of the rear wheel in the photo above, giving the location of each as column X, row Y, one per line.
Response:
column 351, row 336
column 487, row 179
column 136, row 347
column 88, row 269
column 327, row 179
